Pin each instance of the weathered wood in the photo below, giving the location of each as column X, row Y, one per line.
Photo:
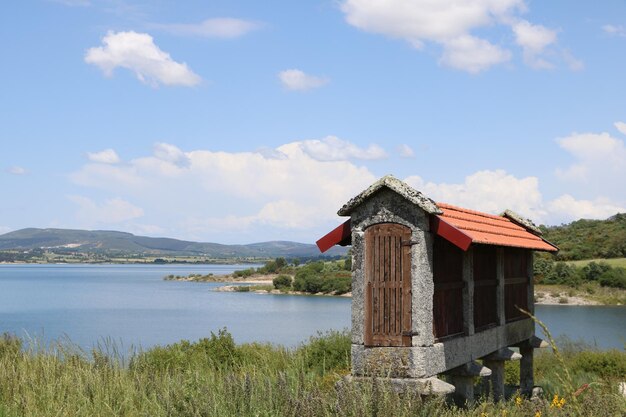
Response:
column 516, row 282
column 388, row 302
column 449, row 286
column 485, row 287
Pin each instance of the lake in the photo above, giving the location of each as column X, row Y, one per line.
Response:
column 134, row 306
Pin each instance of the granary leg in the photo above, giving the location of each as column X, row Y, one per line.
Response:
column 526, row 375
column 463, row 380
column 495, row 361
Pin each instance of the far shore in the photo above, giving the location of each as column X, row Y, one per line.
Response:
column 544, row 294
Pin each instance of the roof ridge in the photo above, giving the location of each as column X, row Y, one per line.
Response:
column 470, row 211
column 506, row 224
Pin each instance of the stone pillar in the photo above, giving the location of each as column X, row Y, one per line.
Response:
column 526, row 376
column 422, row 289
column 462, row 378
column 495, row 362
column 468, row 292
column 526, row 373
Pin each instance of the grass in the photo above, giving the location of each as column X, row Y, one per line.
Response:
column 620, row 262
column 214, row 376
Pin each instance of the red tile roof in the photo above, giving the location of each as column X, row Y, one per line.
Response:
column 491, row 230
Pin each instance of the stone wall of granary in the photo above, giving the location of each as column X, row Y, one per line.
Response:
column 387, row 206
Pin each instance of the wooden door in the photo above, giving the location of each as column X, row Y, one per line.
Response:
column 388, row 285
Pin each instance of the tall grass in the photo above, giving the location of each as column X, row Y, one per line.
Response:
column 216, row 377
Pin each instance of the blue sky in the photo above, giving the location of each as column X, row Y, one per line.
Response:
column 245, row 121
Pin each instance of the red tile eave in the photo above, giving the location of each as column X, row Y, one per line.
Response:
column 451, row 233
column 341, row 235
column 489, row 229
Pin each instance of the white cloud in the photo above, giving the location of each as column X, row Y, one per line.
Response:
column 225, row 196
column 4, row 229
column 472, row 54
column 600, row 208
column 331, row 148
column 224, row 27
column 621, row 127
column 614, row 30
column 112, row 211
column 291, row 192
column 489, row 191
column 107, row 156
column 172, row 154
column 296, row 80
column 450, row 23
column 596, row 154
column 495, row 191
column 406, row 151
column 17, row 170
column 138, row 53
column 534, row 39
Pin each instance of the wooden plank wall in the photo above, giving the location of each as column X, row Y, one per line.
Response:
column 448, row 296
column 516, row 281
column 485, row 286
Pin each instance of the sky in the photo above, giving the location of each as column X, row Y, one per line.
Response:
column 246, row 121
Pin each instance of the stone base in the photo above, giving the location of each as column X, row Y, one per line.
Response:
column 422, row 386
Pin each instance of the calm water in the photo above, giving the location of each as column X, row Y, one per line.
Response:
column 134, row 306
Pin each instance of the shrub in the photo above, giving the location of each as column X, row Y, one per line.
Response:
column 282, row 281
column 563, row 273
column 608, row 364
column 218, row 351
column 244, row 273
column 593, row 270
column 337, row 284
column 327, row 352
column 313, row 284
column 614, row 277
column 299, row 283
column 347, row 263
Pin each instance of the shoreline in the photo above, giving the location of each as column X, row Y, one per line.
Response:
column 544, row 294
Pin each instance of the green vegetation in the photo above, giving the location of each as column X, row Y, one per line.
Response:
column 547, row 271
column 596, row 281
column 589, row 239
column 324, row 277
column 282, row 282
column 215, row 376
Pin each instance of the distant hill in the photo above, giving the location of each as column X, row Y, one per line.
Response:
column 111, row 242
column 589, row 239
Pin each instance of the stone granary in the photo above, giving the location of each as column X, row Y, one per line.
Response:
column 436, row 287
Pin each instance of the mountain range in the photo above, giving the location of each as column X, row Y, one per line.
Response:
column 112, row 242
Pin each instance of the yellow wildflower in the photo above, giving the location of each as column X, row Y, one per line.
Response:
column 483, row 414
column 518, row 401
column 538, row 414
column 557, row 402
